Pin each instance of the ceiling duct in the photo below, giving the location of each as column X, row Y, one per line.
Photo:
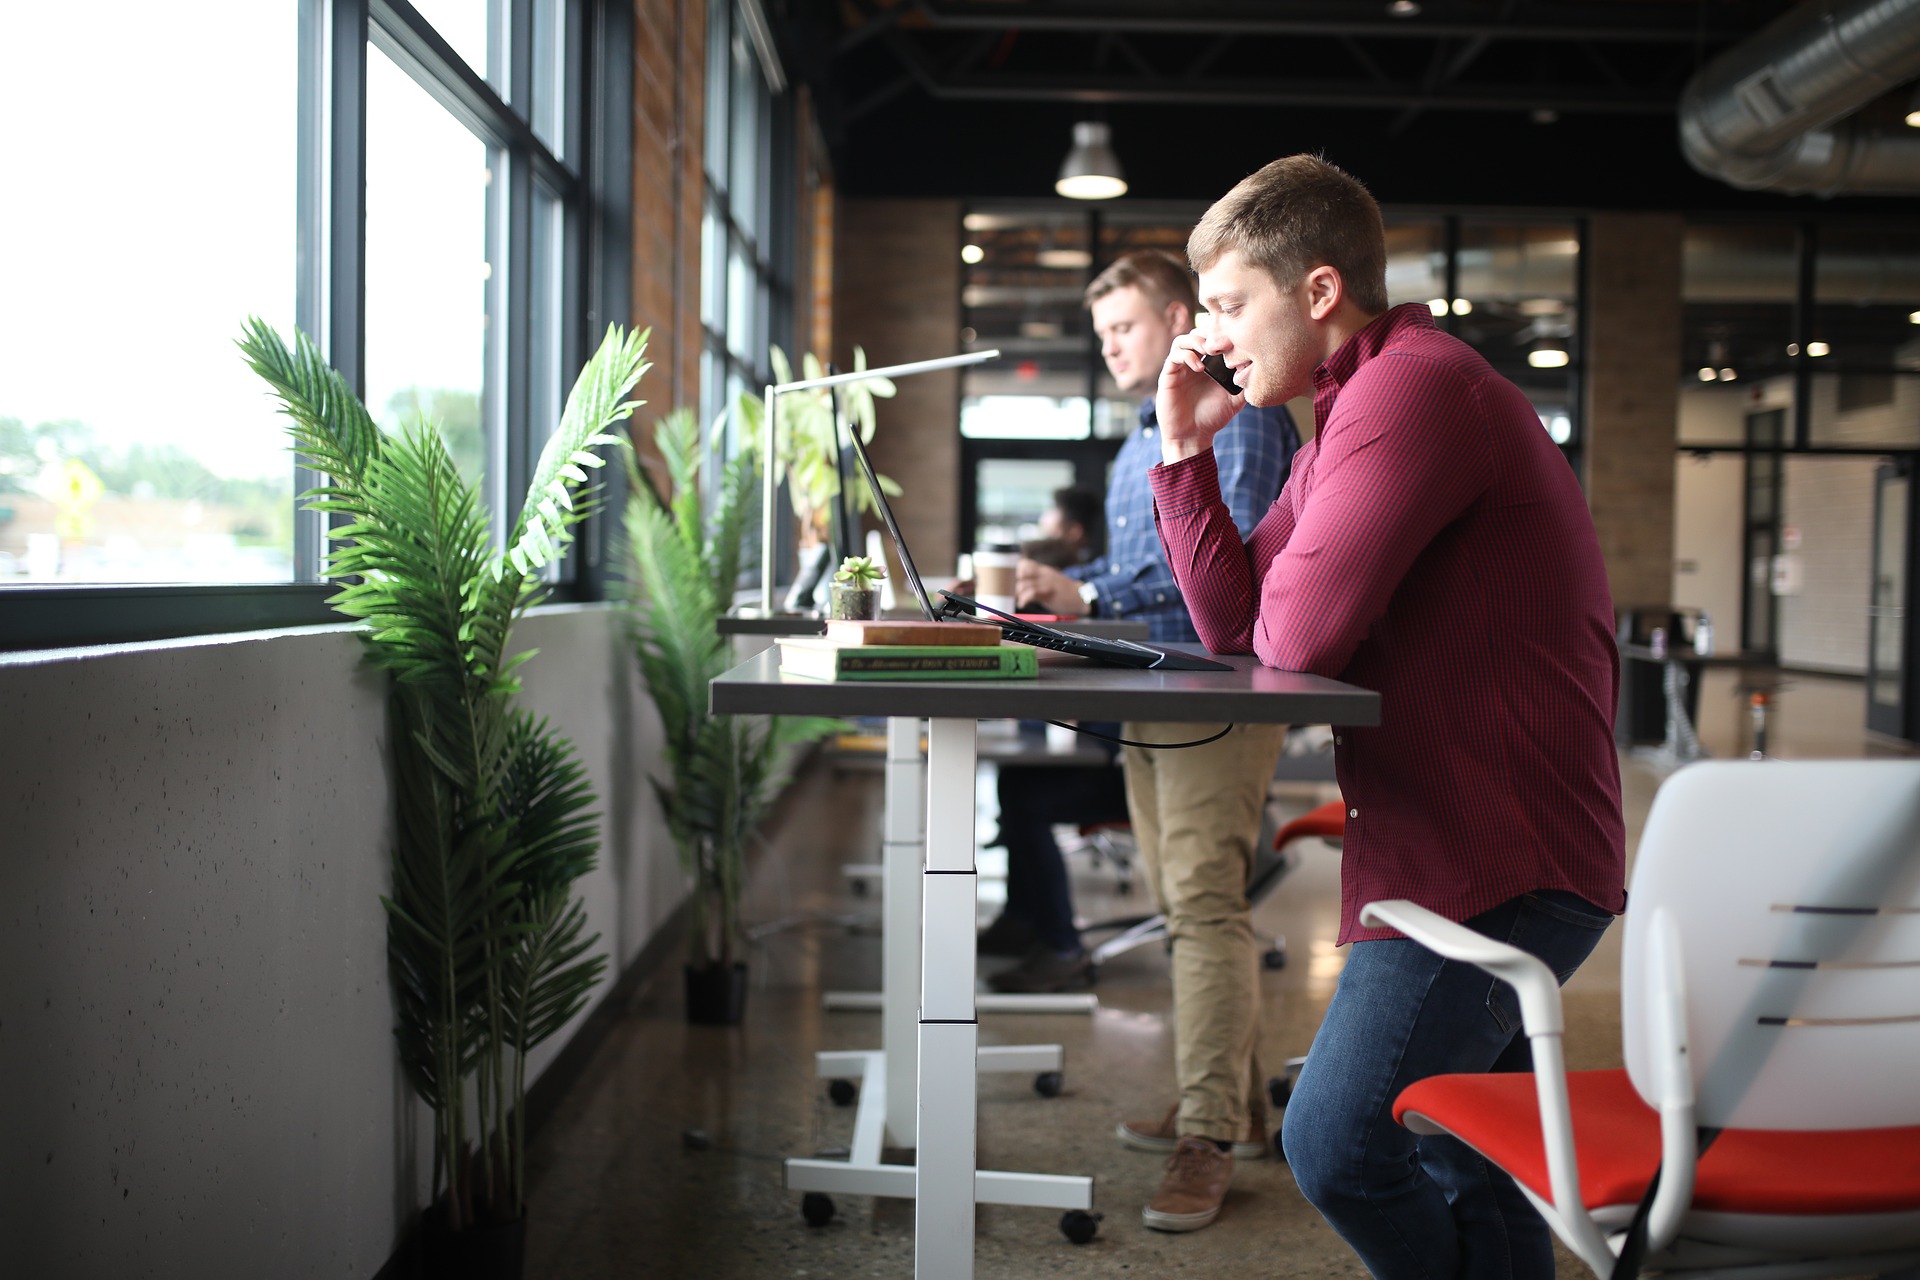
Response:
column 1770, row 112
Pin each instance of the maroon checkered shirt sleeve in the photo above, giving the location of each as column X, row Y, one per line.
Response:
column 1431, row 544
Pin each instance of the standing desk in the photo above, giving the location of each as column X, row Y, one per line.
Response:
column 941, row 1091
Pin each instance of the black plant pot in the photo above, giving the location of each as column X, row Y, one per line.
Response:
column 716, row 994
column 484, row 1251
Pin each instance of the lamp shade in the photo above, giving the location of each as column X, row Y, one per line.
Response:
column 1091, row 171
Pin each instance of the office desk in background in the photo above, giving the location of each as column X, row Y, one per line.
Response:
column 943, row 1180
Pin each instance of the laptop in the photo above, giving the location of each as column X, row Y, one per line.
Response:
column 1113, row 653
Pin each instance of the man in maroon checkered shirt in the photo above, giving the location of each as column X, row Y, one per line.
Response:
column 1431, row 544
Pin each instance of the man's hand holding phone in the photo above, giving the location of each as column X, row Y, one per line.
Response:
column 1194, row 402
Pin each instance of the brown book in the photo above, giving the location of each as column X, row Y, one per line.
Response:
column 908, row 631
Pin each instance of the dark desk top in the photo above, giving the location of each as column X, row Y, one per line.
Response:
column 1067, row 688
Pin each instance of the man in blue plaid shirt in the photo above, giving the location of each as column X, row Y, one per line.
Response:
column 1195, row 811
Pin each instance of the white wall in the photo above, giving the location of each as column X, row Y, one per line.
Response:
column 1707, row 505
column 195, row 1024
column 1823, row 623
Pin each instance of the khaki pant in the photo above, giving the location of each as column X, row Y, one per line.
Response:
column 1196, row 814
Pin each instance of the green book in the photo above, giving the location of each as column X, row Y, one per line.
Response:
column 819, row 658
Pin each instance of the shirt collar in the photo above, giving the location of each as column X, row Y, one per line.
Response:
column 1149, row 414
column 1338, row 369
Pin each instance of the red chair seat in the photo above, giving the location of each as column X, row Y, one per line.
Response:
column 1329, row 822
column 1616, row 1137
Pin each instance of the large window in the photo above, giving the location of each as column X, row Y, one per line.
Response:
column 407, row 184
column 146, row 216
column 747, row 231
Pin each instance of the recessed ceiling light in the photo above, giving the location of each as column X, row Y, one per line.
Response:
column 1547, row 358
column 1041, row 329
column 1545, row 115
column 1728, row 375
column 1913, row 317
column 1541, row 306
column 1818, row 348
column 1708, row 375
column 1404, row 8
column 971, row 254
column 1064, row 259
column 1463, row 306
column 1437, row 305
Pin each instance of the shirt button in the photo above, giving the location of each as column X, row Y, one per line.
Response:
column 1159, row 597
column 1353, row 813
column 1121, row 521
column 1336, row 739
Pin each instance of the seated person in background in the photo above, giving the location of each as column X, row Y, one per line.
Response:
column 1038, row 917
column 1069, row 529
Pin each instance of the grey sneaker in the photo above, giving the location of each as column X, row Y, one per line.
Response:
column 1045, row 970
column 1196, row 1182
column 1161, row 1135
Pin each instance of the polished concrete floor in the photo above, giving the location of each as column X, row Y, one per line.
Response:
column 664, row 1160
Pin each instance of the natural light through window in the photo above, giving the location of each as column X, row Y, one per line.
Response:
column 149, row 209
column 428, row 185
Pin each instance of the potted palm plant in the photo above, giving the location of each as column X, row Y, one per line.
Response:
column 486, row 941
column 684, row 555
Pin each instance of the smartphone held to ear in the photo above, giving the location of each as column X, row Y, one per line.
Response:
column 1216, row 367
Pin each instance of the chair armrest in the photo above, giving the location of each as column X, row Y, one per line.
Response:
column 1538, row 990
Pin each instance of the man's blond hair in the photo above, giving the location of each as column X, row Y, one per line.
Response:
column 1296, row 214
column 1160, row 277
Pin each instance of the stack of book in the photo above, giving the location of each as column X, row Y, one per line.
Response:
column 906, row 651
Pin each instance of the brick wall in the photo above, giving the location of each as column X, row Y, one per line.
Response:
column 1633, row 341
column 897, row 295
column 669, row 96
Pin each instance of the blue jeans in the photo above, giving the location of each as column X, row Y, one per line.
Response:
column 1425, row 1206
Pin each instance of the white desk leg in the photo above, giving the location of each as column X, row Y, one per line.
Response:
column 906, row 799
column 949, row 1033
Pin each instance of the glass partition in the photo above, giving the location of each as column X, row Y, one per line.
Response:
column 1516, row 300
column 1737, row 286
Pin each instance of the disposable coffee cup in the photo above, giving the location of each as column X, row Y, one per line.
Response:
column 993, row 570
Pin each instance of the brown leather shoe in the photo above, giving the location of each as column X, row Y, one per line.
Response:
column 1189, row 1196
column 1161, row 1135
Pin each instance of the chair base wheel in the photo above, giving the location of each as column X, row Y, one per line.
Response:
column 843, row 1092
column 817, row 1208
column 1049, row 1083
column 1079, row 1226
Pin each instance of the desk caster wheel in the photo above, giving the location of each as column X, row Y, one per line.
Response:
column 843, row 1092
column 1274, row 958
column 1049, row 1083
column 817, row 1208
column 1079, row 1226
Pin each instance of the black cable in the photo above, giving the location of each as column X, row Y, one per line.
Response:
column 1150, row 746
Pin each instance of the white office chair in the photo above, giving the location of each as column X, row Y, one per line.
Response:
column 1770, row 990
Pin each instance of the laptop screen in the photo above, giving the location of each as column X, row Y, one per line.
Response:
column 893, row 526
